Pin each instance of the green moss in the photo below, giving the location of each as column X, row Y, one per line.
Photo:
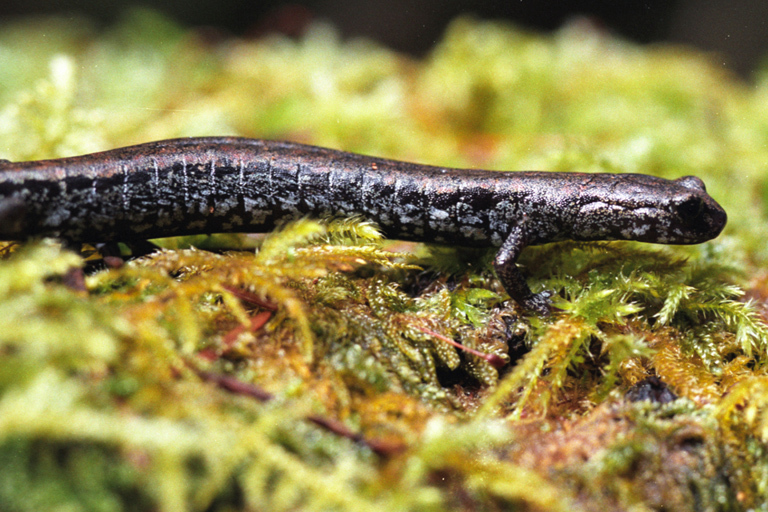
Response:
column 46, row 476
column 308, row 369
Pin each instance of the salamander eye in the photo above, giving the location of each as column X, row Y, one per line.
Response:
column 692, row 182
column 690, row 209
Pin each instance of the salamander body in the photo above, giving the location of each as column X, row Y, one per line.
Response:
column 210, row 185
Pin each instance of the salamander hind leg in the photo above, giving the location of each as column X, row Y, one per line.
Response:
column 512, row 279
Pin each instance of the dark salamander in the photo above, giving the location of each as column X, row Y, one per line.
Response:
column 210, row 185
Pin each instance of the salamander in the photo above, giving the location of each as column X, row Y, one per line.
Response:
column 227, row 184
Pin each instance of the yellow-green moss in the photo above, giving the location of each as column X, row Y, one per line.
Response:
column 306, row 370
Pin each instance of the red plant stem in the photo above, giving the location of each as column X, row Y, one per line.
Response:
column 238, row 387
column 492, row 359
column 257, row 322
column 251, row 298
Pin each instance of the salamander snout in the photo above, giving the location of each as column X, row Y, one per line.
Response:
column 699, row 216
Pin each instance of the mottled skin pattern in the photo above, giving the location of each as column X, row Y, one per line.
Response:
column 209, row 185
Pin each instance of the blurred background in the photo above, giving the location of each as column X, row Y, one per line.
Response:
column 735, row 30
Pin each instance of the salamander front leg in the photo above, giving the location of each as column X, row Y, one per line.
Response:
column 512, row 279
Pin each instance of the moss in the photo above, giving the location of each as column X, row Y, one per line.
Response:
column 309, row 369
column 638, row 455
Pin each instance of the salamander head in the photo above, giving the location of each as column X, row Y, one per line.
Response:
column 648, row 209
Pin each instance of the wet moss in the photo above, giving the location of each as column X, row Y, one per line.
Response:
column 309, row 369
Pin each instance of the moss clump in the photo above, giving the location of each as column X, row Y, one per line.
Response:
column 316, row 368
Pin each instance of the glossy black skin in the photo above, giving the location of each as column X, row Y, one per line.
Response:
column 210, row 185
